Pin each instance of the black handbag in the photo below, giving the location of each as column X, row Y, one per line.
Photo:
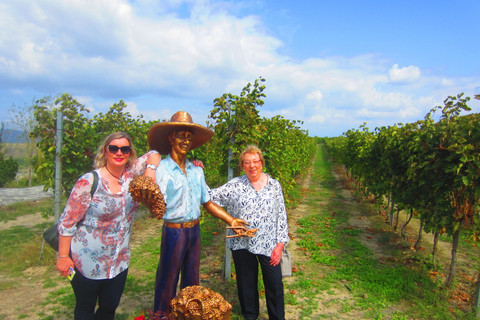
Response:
column 50, row 235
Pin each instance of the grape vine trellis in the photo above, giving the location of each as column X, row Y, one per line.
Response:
column 235, row 119
column 430, row 169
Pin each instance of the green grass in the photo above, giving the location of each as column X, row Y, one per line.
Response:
column 11, row 212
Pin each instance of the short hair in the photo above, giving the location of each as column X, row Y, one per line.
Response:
column 250, row 149
column 101, row 159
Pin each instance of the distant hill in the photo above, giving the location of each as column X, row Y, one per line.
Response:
column 13, row 136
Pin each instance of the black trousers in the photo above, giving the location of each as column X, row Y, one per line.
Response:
column 107, row 291
column 246, row 266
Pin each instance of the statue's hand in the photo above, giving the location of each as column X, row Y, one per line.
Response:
column 143, row 189
column 239, row 223
column 238, row 226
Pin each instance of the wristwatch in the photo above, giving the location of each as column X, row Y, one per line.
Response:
column 152, row 166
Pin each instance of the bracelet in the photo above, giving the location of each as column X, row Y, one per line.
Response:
column 63, row 256
column 152, row 166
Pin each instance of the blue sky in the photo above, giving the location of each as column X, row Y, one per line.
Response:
column 332, row 64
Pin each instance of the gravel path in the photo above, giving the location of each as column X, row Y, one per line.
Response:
column 14, row 195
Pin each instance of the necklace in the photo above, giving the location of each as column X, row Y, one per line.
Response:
column 120, row 180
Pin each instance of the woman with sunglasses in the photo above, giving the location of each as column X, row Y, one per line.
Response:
column 95, row 230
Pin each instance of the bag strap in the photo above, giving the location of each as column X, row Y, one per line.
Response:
column 94, row 184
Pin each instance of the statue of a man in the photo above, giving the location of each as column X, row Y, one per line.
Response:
column 184, row 189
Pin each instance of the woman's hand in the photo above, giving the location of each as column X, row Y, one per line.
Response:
column 276, row 256
column 198, row 163
column 63, row 265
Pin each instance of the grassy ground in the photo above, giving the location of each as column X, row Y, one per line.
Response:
column 348, row 263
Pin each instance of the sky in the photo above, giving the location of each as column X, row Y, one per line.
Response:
column 332, row 64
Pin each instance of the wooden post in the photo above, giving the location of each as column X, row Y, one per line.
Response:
column 477, row 296
column 228, row 254
column 227, row 261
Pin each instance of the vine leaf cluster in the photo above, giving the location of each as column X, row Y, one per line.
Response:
column 235, row 119
column 430, row 168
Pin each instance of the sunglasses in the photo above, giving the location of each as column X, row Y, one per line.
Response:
column 114, row 149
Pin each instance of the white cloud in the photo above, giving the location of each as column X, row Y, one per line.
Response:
column 406, row 74
column 194, row 51
column 315, row 95
column 318, row 118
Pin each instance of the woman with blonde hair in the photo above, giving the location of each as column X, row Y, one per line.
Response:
column 95, row 226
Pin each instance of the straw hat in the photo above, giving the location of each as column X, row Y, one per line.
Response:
column 158, row 133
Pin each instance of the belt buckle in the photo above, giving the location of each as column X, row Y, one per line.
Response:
column 189, row 224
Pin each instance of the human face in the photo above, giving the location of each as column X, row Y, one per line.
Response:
column 118, row 158
column 181, row 142
column 252, row 166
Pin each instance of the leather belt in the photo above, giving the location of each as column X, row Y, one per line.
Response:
column 188, row 224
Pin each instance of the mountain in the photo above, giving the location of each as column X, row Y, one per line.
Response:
column 13, row 136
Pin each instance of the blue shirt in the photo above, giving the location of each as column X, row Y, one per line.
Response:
column 183, row 194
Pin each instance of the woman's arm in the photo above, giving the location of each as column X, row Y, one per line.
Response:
column 146, row 164
column 64, row 262
column 152, row 165
column 77, row 205
column 281, row 227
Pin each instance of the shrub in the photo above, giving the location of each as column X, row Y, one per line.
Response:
column 8, row 170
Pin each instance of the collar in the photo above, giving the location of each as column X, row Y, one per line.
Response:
column 172, row 165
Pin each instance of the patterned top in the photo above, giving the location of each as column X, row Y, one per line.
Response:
column 183, row 194
column 264, row 210
column 101, row 225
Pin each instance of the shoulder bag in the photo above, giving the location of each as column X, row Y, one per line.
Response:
column 286, row 261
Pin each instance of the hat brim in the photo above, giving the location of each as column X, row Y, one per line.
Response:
column 158, row 135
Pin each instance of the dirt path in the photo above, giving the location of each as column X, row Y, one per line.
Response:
column 329, row 303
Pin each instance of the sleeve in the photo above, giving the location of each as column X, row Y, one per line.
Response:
column 141, row 163
column 205, row 188
column 219, row 195
column 77, row 205
column 282, row 221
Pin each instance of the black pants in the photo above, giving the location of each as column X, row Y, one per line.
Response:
column 246, row 266
column 107, row 291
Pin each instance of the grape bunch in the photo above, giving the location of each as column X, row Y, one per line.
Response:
column 199, row 303
column 145, row 190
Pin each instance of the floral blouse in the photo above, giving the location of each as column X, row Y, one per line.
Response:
column 101, row 225
column 264, row 210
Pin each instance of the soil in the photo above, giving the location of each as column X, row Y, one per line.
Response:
column 25, row 294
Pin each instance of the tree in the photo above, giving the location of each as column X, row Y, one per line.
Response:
column 23, row 117
column 236, row 122
column 81, row 136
